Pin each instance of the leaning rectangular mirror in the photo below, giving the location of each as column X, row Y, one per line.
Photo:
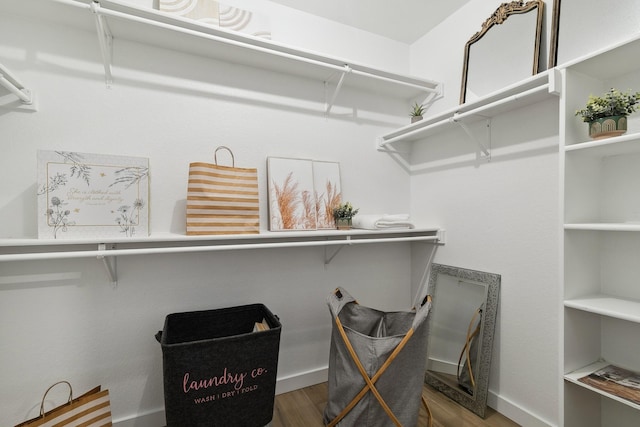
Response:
column 464, row 301
column 505, row 51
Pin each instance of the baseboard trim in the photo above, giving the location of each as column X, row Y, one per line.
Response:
column 301, row 380
column 156, row 417
column 515, row 412
column 509, row 409
column 150, row 419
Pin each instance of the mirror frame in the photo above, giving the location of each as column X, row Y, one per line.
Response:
column 478, row 402
column 555, row 29
column 498, row 17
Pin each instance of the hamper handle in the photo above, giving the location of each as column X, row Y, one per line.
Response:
column 158, row 336
column 422, row 311
column 222, row 147
column 338, row 299
column 52, row 386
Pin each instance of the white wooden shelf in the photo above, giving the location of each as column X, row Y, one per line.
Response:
column 115, row 20
column 109, row 249
column 607, row 305
column 615, row 146
column 574, row 377
column 603, row 226
column 263, row 236
column 529, row 91
column 623, row 54
column 598, row 180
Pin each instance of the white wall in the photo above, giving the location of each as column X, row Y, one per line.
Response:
column 502, row 216
column 174, row 109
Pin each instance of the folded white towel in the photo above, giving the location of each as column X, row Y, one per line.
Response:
column 395, row 217
column 378, row 222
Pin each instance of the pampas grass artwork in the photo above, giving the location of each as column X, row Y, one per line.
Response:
column 328, row 192
column 291, row 201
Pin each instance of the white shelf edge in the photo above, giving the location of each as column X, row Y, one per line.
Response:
column 603, row 226
column 162, row 237
column 573, row 377
column 157, row 244
column 607, row 305
column 534, row 89
column 108, row 252
column 604, row 143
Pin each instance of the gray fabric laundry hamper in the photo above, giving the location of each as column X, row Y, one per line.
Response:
column 391, row 351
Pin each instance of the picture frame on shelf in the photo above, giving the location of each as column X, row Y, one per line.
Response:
column 328, row 192
column 220, row 15
column 291, row 194
column 84, row 195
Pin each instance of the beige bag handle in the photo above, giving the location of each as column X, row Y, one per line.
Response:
column 45, row 395
column 222, row 147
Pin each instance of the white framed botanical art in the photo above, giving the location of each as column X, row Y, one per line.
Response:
column 82, row 195
column 291, row 194
column 328, row 192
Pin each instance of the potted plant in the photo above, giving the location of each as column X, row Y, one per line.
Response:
column 343, row 214
column 606, row 115
column 416, row 112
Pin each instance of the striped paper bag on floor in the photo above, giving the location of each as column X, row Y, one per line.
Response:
column 222, row 199
column 92, row 409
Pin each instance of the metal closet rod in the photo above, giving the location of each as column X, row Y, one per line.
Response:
column 191, row 249
column 98, row 9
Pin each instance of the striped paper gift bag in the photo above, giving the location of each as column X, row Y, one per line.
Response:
column 92, row 409
column 222, row 199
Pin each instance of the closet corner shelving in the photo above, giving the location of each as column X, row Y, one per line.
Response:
column 529, row 91
column 113, row 20
column 601, row 242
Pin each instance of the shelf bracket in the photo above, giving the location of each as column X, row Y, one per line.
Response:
column 381, row 145
column 329, row 104
column 432, row 96
column 485, row 148
column 110, row 263
column 328, row 259
column 105, row 38
column 13, row 85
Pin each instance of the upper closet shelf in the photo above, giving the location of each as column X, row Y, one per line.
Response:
column 530, row 91
column 116, row 20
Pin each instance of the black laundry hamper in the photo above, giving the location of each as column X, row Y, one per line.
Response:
column 376, row 364
column 217, row 370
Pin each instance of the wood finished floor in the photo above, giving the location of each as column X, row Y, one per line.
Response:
column 303, row 408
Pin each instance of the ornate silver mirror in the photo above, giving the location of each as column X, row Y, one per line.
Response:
column 458, row 294
column 506, row 54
